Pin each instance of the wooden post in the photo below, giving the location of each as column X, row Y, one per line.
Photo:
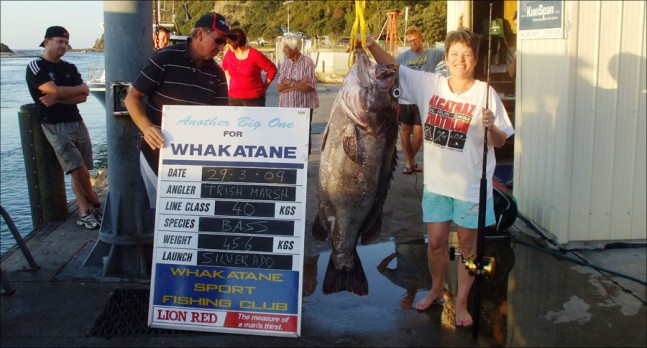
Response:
column 45, row 177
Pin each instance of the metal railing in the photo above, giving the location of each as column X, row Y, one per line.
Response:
column 7, row 289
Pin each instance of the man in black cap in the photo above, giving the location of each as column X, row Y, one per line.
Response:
column 57, row 87
column 182, row 74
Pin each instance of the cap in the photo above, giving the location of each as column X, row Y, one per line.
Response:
column 214, row 21
column 55, row 31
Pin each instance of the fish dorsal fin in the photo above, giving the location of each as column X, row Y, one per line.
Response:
column 352, row 146
column 394, row 165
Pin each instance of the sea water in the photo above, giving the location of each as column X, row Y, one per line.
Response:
column 14, row 196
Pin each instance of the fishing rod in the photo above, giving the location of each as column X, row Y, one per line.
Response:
column 479, row 265
column 480, row 239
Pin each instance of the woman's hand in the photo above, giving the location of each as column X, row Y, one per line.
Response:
column 497, row 136
column 488, row 118
column 370, row 41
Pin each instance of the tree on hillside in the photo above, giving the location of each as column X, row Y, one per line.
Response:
column 335, row 19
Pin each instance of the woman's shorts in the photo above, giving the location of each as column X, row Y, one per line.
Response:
column 438, row 208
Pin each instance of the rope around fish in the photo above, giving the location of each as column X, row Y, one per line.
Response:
column 359, row 24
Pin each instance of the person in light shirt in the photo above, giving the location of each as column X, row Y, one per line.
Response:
column 455, row 122
column 297, row 85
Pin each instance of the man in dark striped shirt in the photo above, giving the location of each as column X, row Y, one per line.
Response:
column 182, row 74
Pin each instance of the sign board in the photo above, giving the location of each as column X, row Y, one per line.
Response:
column 541, row 19
column 230, row 220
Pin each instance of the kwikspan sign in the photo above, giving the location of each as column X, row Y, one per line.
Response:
column 541, row 20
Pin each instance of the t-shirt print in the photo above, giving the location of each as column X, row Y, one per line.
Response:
column 448, row 122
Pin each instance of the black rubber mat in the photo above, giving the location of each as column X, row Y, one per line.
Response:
column 126, row 314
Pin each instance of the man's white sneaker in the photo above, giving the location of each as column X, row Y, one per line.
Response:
column 88, row 221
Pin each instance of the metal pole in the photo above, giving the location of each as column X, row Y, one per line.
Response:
column 19, row 241
column 406, row 23
column 288, row 3
column 125, row 240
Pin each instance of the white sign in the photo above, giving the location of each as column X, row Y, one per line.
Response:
column 541, row 19
column 230, row 220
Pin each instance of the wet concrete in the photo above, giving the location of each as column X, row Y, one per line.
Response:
column 535, row 297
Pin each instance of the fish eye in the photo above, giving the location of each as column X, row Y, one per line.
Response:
column 395, row 93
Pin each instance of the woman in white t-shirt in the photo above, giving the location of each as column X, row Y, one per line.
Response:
column 454, row 120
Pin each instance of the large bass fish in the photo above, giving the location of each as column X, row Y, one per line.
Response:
column 358, row 157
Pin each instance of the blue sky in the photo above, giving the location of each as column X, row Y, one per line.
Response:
column 23, row 23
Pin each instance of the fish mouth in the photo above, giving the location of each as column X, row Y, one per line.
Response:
column 374, row 87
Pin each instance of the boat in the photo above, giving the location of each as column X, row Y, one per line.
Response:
column 97, row 84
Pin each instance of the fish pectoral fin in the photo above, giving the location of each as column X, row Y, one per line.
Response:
column 351, row 280
column 372, row 226
column 394, row 165
column 352, row 147
column 324, row 137
column 319, row 231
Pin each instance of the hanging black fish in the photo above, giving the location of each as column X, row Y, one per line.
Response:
column 358, row 157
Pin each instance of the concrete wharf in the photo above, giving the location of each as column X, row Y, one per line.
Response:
column 544, row 297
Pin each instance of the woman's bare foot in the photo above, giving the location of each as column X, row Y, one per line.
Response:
column 463, row 318
column 430, row 299
column 407, row 299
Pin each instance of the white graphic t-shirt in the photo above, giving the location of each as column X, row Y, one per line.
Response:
column 424, row 61
column 454, row 132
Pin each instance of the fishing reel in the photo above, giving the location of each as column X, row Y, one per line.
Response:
column 470, row 263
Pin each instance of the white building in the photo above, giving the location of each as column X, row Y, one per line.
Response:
column 579, row 153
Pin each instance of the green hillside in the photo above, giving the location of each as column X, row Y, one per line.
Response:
column 334, row 19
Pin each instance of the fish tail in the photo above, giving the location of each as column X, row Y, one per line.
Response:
column 352, row 280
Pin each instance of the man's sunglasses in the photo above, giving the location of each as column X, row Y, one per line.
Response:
column 220, row 40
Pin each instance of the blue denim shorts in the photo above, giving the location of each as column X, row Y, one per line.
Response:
column 438, row 208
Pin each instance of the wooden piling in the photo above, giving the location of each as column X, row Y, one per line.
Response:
column 45, row 177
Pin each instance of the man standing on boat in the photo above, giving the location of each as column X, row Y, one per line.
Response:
column 57, row 87
column 182, row 74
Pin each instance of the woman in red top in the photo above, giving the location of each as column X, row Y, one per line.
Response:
column 243, row 65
